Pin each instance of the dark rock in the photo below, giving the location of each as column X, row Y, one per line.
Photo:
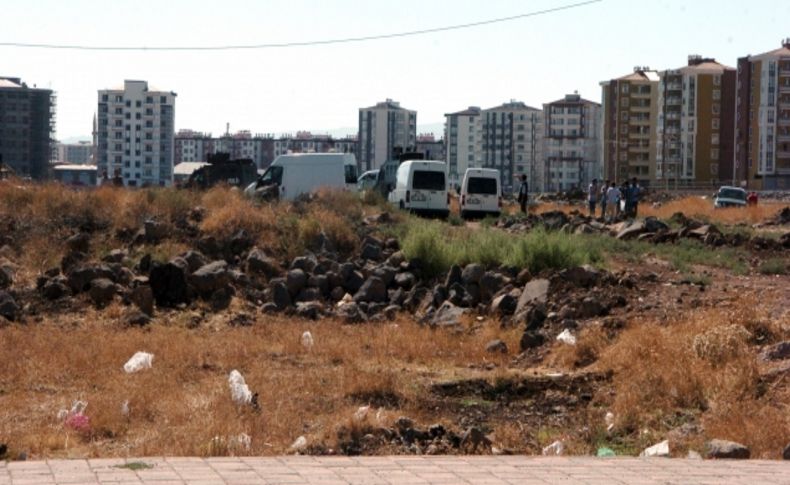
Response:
column 386, row 273
column 145, row 263
column 8, row 306
column 79, row 279
column 280, row 295
column 523, row 277
column 269, row 308
column 143, row 298
column 653, row 224
column 535, row 316
column 259, row 262
column 373, row 290
column 295, row 280
column 535, row 292
column 310, row 310
column 531, row 339
column 490, row 284
column 504, row 305
column 786, row 452
column 472, row 273
column 308, row 294
column 169, row 283
column 405, row 280
column 353, row 282
column 240, row 242
column 778, row 351
column 554, row 220
column 115, row 256
column 195, row 260
column 632, row 230
column 436, row 431
column 6, row 277
column 591, row 307
column 337, row 293
column 439, row 294
column 391, row 311
column 221, row 298
column 454, row 276
column 304, row 263
column 136, row 318
column 79, row 243
column 55, row 288
column 351, row 313
column 396, row 259
column 726, row 449
column 210, row 278
column 320, row 282
column 154, row 231
column 371, row 252
column 447, row 315
column 416, row 297
column 71, row 260
column 209, row 245
column 102, row 291
column 584, row 276
column 496, row 347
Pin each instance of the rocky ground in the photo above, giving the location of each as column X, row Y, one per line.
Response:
column 481, row 358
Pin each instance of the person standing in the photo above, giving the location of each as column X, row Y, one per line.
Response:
column 613, row 196
column 592, row 196
column 604, row 188
column 634, row 196
column 523, row 194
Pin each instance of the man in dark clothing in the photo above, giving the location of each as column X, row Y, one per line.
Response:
column 634, row 196
column 523, row 194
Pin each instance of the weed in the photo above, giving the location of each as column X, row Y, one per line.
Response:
column 135, row 466
column 774, row 266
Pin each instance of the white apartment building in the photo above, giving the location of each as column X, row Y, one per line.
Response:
column 512, row 137
column 135, row 131
column 80, row 153
column 572, row 151
column 464, row 138
column 384, row 130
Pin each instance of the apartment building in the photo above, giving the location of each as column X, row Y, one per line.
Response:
column 27, row 126
column 80, row 153
column 696, row 117
column 572, row 135
column 464, row 136
column 430, row 147
column 762, row 124
column 630, row 116
column 512, row 142
column 135, row 133
column 192, row 146
column 384, row 130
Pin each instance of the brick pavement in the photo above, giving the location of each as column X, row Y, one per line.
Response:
column 397, row 470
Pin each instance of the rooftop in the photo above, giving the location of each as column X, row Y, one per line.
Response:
column 575, row 99
column 513, row 105
column 470, row 111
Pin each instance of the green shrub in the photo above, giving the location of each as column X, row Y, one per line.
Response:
column 773, row 266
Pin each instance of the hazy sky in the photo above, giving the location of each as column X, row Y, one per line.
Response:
column 535, row 60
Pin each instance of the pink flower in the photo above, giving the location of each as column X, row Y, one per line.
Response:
column 78, row 422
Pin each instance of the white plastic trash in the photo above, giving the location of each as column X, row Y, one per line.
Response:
column 361, row 413
column 609, row 420
column 347, row 298
column 299, row 444
column 307, row 340
column 659, row 449
column 77, row 407
column 566, row 337
column 554, row 449
column 239, row 390
column 138, row 362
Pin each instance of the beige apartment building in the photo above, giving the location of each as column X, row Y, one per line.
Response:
column 630, row 114
column 464, row 136
column 385, row 130
column 762, row 125
column 695, row 123
column 512, row 136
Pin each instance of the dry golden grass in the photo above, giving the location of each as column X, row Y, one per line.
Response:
column 183, row 402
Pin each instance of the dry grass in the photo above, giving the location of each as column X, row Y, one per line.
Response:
column 700, row 364
column 183, row 402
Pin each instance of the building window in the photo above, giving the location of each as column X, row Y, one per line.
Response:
column 716, row 81
column 716, row 108
column 714, row 154
column 715, row 123
column 163, row 99
column 716, row 94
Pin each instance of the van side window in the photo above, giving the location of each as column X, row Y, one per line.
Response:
column 351, row 174
column 272, row 176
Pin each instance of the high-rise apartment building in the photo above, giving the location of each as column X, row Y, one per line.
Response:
column 695, row 123
column 512, row 142
column 762, row 125
column 572, row 139
column 630, row 114
column 27, row 126
column 464, row 138
column 430, row 147
column 384, row 130
column 135, row 134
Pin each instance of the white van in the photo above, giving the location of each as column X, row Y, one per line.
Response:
column 481, row 193
column 421, row 187
column 303, row 173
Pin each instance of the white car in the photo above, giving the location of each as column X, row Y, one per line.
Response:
column 421, row 187
column 481, row 193
column 729, row 197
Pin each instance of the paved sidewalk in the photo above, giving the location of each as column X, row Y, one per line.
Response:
column 397, row 470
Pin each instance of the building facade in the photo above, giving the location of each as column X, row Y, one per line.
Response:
column 463, row 131
column 384, row 130
column 572, row 135
column 762, row 125
column 630, row 119
column 512, row 142
column 695, row 124
column 27, row 126
column 75, row 153
column 135, row 131
column 430, row 147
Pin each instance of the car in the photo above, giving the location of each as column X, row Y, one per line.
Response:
column 421, row 188
column 728, row 196
column 481, row 193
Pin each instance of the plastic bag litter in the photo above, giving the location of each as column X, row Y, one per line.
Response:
column 361, row 413
column 605, row 452
column 659, row 449
column 609, row 420
column 299, row 444
column 77, row 407
column 307, row 340
column 138, row 362
column 239, row 390
column 554, row 449
column 125, row 408
column 242, row 441
column 75, row 418
column 566, row 337
column 347, row 298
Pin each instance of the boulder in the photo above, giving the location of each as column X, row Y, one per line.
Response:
column 240, row 242
column 490, row 284
column 154, row 231
column 195, row 260
column 584, row 276
column 653, row 224
column 281, row 297
column 169, row 283
column 534, row 293
column 304, row 263
column 8, row 306
column 136, row 318
column 632, row 230
column 531, row 339
column 373, row 290
column 371, row 252
column 6, row 277
column 310, row 310
column 385, row 273
column 447, row 315
column 143, row 298
column 591, row 307
column 102, row 291
column 780, row 351
column 79, row 243
column 472, row 273
column 726, row 449
column 534, row 317
column 454, row 276
column 115, row 256
column 259, row 262
column 351, row 313
column 308, row 294
column 405, row 280
column 221, row 298
column 79, row 278
column 210, row 278
column 657, row 450
column 295, row 280
column 504, row 305
column 55, row 288
column 319, row 282
column 496, row 347
column 353, row 282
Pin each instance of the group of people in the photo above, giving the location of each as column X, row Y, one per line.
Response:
column 614, row 200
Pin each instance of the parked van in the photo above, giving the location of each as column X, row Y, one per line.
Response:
column 481, row 193
column 292, row 175
column 421, row 187
column 367, row 180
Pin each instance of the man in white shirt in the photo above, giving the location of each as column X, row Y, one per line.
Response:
column 613, row 196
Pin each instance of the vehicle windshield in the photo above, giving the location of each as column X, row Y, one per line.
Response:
column 732, row 194
column 351, row 174
column 272, row 176
column 428, row 180
column 480, row 185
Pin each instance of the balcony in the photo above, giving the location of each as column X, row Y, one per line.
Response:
column 674, row 87
column 784, row 88
column 674, row 100
column 673, row 115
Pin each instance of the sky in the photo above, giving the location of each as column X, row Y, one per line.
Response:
column 320, row 88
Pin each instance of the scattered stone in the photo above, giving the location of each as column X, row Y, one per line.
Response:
column 143, row 298
column 280, row 294
column 55, row 288
column 373, row 290
column 371, row 252
column 195, row 260
column 210, row 278
column 405, row 280
column 351, row 313
column 504, row 305
column 304, row 263
column 259, row 262
column 79, row 243
column 154, row 231
column 534, row 292
column 295, row 280
column 566, row 337
column 780, row 351
column 136, row 318
column 454, row 276
column 448, row 315
column 310, row 310
column 472, row 273
column 657, row 450
column 474, row 436
column 8, row 306
column 102, row 291
column 496, row 347
column 585, row 276
column 6, row 277
column 554, row 449
column 631, row 230
column 726, row 449
column 531, row 339
column 115, row 256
